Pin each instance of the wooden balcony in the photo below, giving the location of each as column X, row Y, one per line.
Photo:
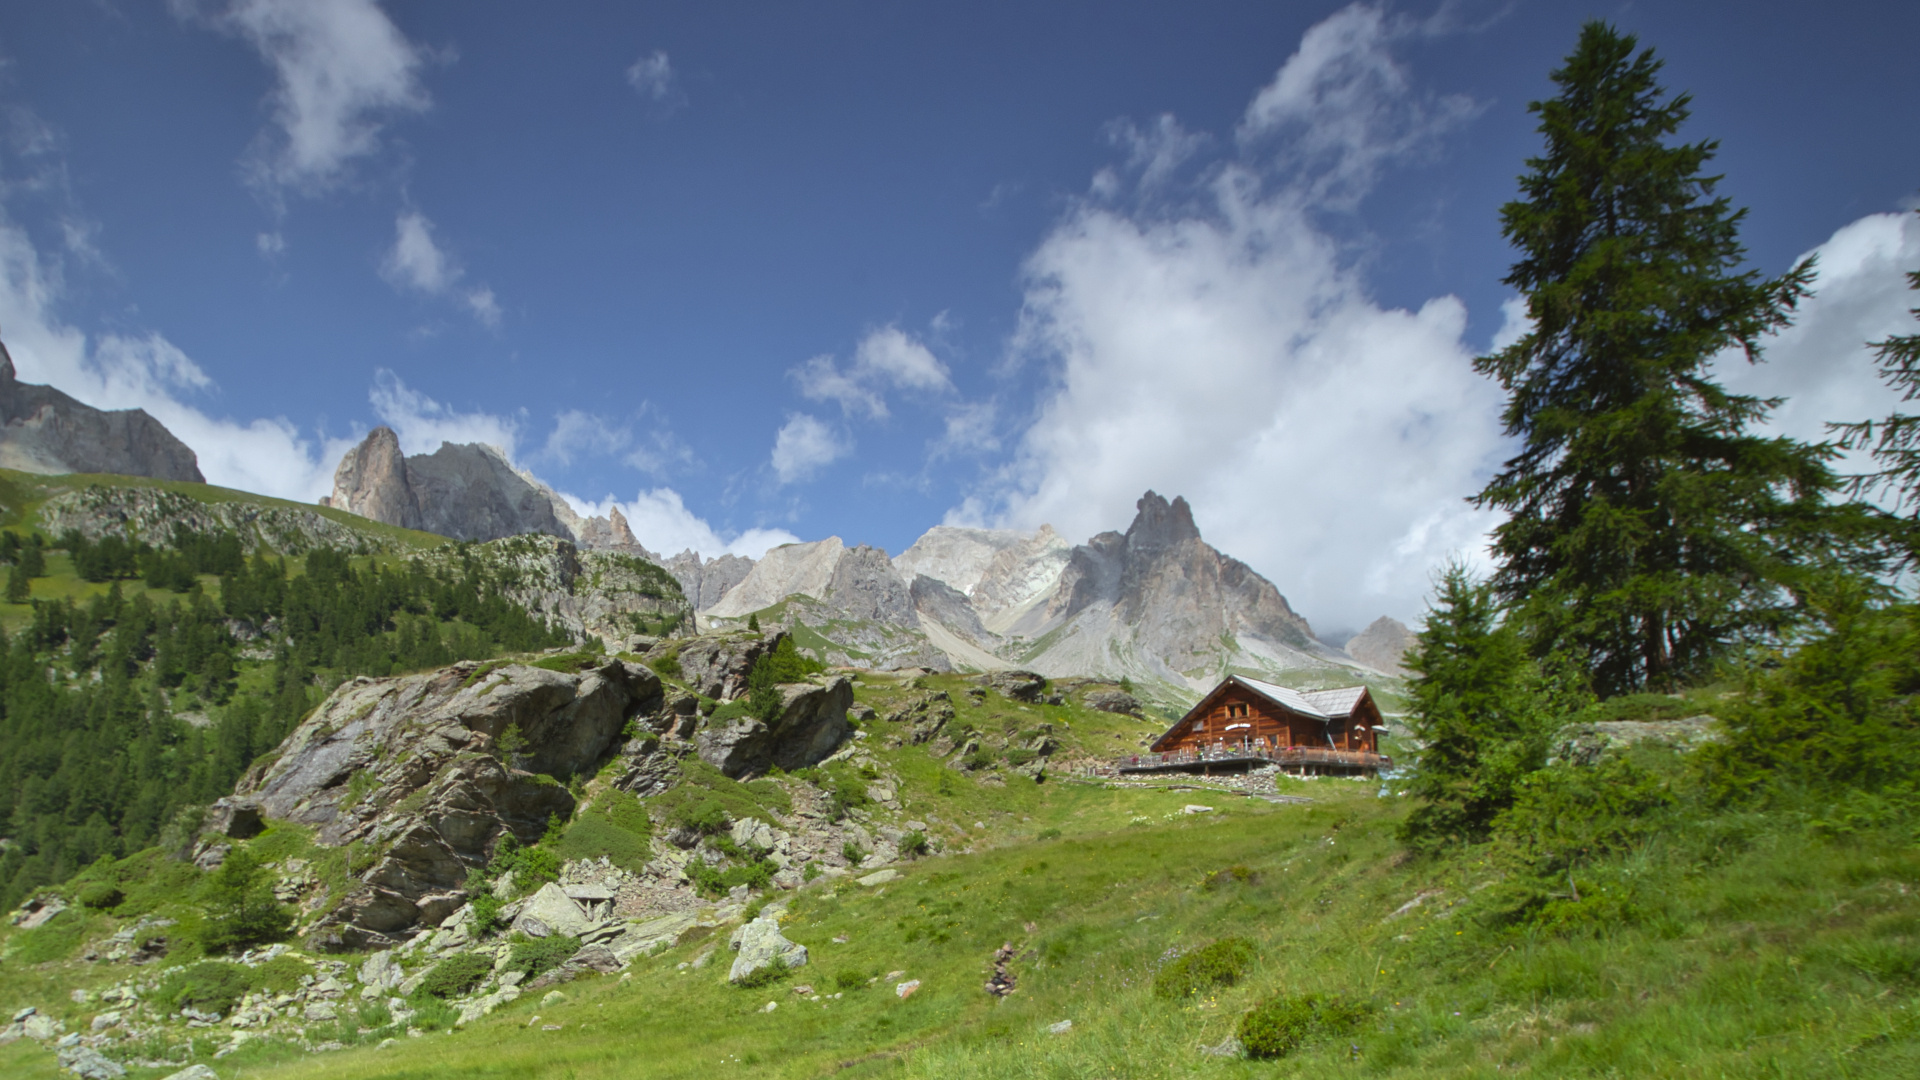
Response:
column 1313, row 760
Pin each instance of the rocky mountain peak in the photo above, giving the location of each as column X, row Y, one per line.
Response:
column 43, row 430
column 1383, row 646
column 1161, row 524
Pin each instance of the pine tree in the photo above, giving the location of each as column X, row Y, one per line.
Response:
column 19, row 587
column 1895, row 440
column 1648, row 529
column 1482, row 713
column 753, row 622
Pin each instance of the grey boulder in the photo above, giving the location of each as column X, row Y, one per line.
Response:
column 760, row 945
column 810, row 726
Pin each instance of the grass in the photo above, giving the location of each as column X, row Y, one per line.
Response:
column 1766, row 949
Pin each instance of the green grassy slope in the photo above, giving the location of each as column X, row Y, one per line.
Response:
column 22, row 494
column 1752, row 946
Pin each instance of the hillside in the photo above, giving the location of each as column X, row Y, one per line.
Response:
column 1757, row 946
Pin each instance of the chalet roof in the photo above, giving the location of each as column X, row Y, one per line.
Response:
column 1285, row 697
column 1339, row 702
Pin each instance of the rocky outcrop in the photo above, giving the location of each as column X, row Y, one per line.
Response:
column 411, row 771
column 467, row 491
column 760, row 945
column 151, row 514
column 716, row 665
column 809, row 726
column 587, row 592
column 1383, row 646
column 43, row 430
column 707, row 582
column 788, row 570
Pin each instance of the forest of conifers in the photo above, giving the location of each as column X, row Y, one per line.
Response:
column 117, row 712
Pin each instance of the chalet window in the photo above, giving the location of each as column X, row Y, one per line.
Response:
column 1237, row 710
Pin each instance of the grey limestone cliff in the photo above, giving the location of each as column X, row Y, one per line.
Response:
column 1383, row 646
column 43, row 430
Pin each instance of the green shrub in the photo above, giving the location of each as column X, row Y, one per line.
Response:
column 616, row 826
column 375, row 1014
column 432, row 1014
column 852, row 852
column 914, row 844
column 777, row 971
column 1020, row 755
column 538, row 956
column 1047, row 834
column 1278, row 1025
column 1235, row 874
column 456, row 975
column 484, row 916
column 570, row 663
column 1219, row 964
column 240, row 906
column 211, row 986
column 850, row 979
column 706, row 816
column 667, row 666
column 101, row 895
column 531, row 866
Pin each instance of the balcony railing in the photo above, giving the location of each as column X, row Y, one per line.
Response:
column 1285, row 757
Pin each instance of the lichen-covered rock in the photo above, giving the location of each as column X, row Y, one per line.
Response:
column 408, row 770
column 717, row 665
column 1112, row 700
column 760, row 944
column 1017, row 685
column 810, row 726
column 551, row 911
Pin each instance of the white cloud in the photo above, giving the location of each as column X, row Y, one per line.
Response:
column 1232, row 355
column 342, row 68
column 1342, row 106
column 581, row 433
column 1157, row 150
column 416, row 261
column 653, row 76
column 1822, row 364
column 423, row 423
column 970, row 428
column 662, row 523
column 887, row 358
column 803, row 446
column 269, row 456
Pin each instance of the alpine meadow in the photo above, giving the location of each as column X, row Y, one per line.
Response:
column 381, row 755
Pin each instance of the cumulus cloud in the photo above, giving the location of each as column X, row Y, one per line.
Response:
column 1822, row 364
column 423, row 423
column 416, row 261
column 653, row 76
column 886, row 359
column 342, row 70
column 1231, row 354
column 803, row 446
column 662, row 523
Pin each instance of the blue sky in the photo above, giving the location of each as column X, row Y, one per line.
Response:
column 759, row 272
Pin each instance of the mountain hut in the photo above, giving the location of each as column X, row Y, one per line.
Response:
column 1245, row 723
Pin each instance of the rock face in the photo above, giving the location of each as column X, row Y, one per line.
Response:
column 587, row 592
column 707, row 582
column 468, row 491
column 1383, row 646
column 1156, row 602
column 810, row 726
column 44, row 431
column 151, row 513
column 760, row 944
column 407, row 769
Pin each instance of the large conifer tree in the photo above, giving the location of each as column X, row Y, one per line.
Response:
column 1648, row 528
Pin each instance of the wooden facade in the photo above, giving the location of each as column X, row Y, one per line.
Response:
column 1248, row 715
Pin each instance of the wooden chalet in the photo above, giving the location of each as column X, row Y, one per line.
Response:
column 1245, row 723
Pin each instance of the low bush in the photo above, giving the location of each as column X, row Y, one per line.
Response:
column 1047, row 834
column 774, row 972
column 1232, row 875
column 914, row 844
column 850, row 979
column 1279, row 1025
column 211, row 986
column 537, row 956
column 432, row 1014
column 1216, row 965
column 101, row 895
column 456, row 975
column 668, row 665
